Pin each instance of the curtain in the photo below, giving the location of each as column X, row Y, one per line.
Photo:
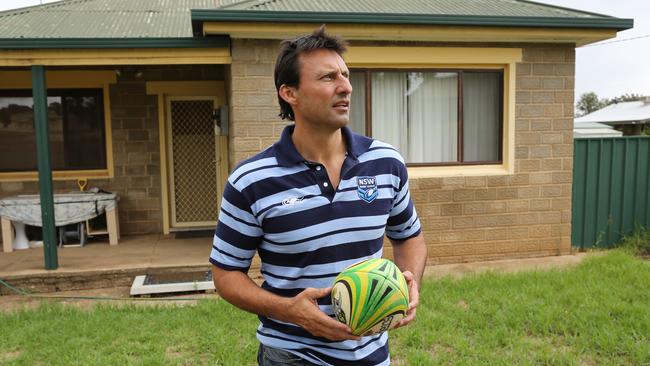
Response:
column 481, row 116
column 433, row 117
column 389, row 114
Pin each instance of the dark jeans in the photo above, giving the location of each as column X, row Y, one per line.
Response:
column 267, row 356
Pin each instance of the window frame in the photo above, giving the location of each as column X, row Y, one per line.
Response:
column 367, row 72
column 65, row 80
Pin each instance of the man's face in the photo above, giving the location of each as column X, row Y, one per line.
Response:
column 323, row 97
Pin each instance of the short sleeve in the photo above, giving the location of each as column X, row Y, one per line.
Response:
column 403, row 222
column 238, row 233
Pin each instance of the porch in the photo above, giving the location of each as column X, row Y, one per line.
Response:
column 100, row 265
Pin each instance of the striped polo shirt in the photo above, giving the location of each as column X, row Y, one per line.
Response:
column 306, row 232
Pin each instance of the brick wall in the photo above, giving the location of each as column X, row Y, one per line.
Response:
column 136, row 150
column 464, row 218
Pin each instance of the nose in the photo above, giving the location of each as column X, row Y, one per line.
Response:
column 344, row 87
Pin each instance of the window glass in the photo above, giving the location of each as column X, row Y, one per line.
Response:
column 76, row 130
column 481, row 112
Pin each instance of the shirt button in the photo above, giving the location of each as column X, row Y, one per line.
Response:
column 325, row 184
column 318, row 167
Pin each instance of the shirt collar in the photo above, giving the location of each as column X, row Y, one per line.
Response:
column 287, row 155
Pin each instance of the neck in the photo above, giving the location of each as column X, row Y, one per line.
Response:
column 318, row 145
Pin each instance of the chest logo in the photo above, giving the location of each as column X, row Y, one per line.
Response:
column 292, row 201
column 367, row 188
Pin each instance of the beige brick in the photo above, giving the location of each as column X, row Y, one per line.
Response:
column 520, row 179
column 541, row 125
column 506, row 193
column 262, row 69
column 521, row 152
column 430, row 183
column 463, row 195
column 530, row 110
column 496, row 234
column 553, row 55
column 562, row 124
column 497, row 181
column 523, row 97
column 565, row 216
column 551, row 217
column 452, row 209
column 245, row 84
column 565, row 70
column 540, row 151
column 450, row 237
column 543, row 69
column 428, row 210
column 437, row 223
column 528, row 192
column 551, row 191
column 524, row 69
column 562, row 151
column 553, row 83
column 495, row 220
column 567, row 164
column 247, row 144
column 260, row 130
column 518, row 232
column 532, row 54
column 540, row 204
column 473, row 235
column 495, row 207
column 568, row 110
column 527, row 138
column 463, row 222
column 453, row 182
column 476, row 182
column 528, row 165
column 486, row 194
column 552, row 138
column 473, row 208
column 253, row 100
column 522, row 124
column 564, row 97
column 462, row 250
column 506, row 247
column 528, row 218
column 551, row 164
column 420, row 196
column 238, row 69
column 540, row 178
column 540, row 231
column 566, row 190
column 527, row 83
column 562, row 177
column 561, row 203
column 517, row 206
column 440, row 196
column 554, row 110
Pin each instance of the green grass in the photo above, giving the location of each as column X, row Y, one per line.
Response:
column 637, row 242
column 597, row 313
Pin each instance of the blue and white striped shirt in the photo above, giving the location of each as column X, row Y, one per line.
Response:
column 305, row 232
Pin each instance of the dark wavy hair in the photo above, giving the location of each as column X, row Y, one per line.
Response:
column 287, row 67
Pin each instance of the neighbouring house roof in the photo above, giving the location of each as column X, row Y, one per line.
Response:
column 433, row 12
column 593, row 129
column 103, row 24
column 620, row 113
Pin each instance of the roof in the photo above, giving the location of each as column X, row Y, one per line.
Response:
column 593, row 129
column 619, row 113
column 108, row 23
column 433, row 12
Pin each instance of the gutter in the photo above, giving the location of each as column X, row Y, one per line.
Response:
column 114, row 43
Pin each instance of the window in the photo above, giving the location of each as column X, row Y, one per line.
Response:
column 433, row 117
column 76, row 129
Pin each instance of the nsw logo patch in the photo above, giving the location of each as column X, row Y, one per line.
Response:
column 367, row 188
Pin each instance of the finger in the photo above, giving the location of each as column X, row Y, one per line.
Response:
column 410, row 316
column 317, row 293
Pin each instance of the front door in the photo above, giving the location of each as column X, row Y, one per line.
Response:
column 195, row 164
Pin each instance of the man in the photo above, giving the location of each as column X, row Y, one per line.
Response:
column 317, row 201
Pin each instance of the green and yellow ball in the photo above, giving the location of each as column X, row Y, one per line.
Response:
column 370, row 296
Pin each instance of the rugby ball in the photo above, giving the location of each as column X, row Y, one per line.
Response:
column 370, row 296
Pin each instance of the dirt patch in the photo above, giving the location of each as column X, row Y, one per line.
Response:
column 6, row 357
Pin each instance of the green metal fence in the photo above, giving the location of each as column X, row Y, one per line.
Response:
column 611, row 189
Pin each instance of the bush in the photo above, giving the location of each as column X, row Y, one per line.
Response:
column 638, row 242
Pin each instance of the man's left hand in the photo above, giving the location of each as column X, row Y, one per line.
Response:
column 414, row 299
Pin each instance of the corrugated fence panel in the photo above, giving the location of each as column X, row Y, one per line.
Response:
column 611, row 189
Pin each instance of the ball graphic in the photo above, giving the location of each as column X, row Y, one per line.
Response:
column 370, row 296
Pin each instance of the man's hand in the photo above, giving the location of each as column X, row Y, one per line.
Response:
column 414, row 299
column 303, row 310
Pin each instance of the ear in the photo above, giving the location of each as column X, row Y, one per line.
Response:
column 288, row 94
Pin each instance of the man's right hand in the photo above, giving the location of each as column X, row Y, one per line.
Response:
column 303, row 310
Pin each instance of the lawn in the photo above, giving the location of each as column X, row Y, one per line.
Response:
column 597, row 313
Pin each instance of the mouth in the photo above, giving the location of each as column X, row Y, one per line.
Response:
column 343, row 105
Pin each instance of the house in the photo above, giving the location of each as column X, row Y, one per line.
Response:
column 631, row 118
column 594, row 129
column 158, row 100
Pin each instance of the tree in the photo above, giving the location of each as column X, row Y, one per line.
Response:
column 588, row 103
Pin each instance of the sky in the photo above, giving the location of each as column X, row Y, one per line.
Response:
column 609, row 68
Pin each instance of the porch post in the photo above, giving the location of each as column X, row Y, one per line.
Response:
column 39, row 92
